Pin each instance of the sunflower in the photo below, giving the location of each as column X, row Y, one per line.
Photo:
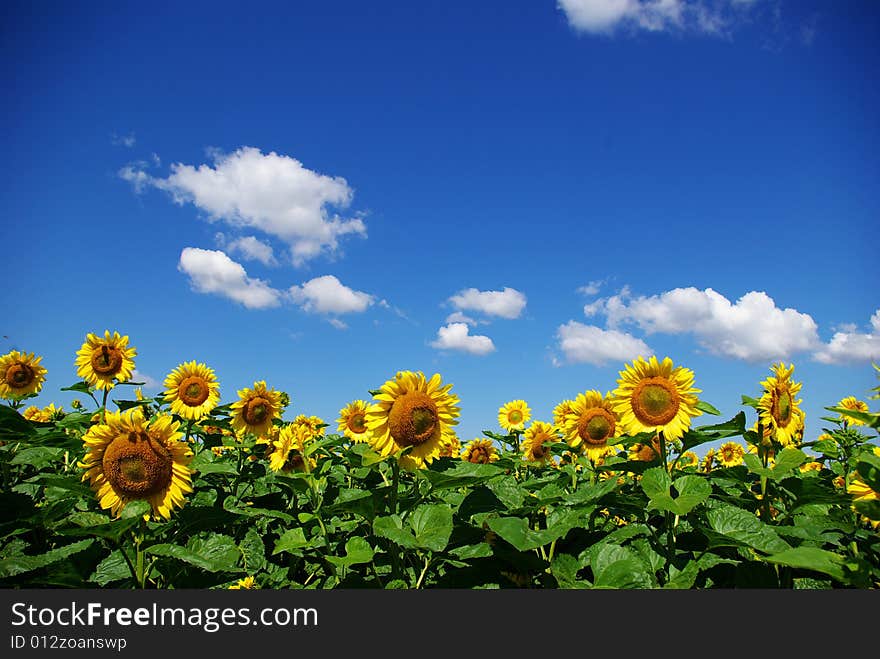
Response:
column 730, row 454
column 48, row 413
column 129, row 458
column 537, row 440
column 255, row 409
column 412, row 412
column 513, row 415
column 590, row 424
column 451, row 449
column 20, row 374
column 811, row 466
column 248, row 583
column 688, row 459
column 560, row 411
column 351, row 421
column 856, row 405
column 101, row 360
column 314, row 424
column 778, row 409
column 645, row 452
column 862, row 492
column 708, row 461
column 480, row 451
column 655, row 396
column 193, row 390
column 287, row 450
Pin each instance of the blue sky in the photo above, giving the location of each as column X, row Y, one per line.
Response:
column 519, row 196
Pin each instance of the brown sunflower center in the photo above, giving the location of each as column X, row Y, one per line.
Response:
column 515, row 416
column 479, row 455
column 294, row 461
column 107, row 360
column 19, row 376
column 256, row 411
column 137, row 466
column 782, row 407
column 193, row 391
column 655, row 401
column 413, row 419
column 357, row 423
column 596, row 426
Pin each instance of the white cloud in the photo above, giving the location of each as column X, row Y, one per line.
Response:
column 253, row 249
column 455, row 336
column 135, row 175
column 852, row 346
column 149, row 382
column 327, row 295
column 459, row 317
column 214, row 272
column 338, row 324
column 123, row 140
column 752, row 329
column 269, row 192
column 592, row 288
column 700, row 16
column 594, row 345
column 507, row 303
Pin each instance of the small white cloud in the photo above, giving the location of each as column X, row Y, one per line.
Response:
column 327, row 295
column 852, row 347
column 455, row 336
column 127, row 141
column 273, row 193
column 253, row 249
column 507, row 303
column 459, row 317
column 592, row 288
column 212, row 271
column 593, row 345
column 338, row 324
column 149, row 382
column 752, row 329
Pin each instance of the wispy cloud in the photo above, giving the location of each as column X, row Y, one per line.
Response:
column 123, row 140
column 213, row 272
column 456, row 336
column 592, row 288
column 270, row 192
column 507, row 303
column 253, row 249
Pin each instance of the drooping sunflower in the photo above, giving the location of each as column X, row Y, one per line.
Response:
column 778, row 409
column 708, row 461
column 287, row 451
column 730, row 454
column 452, row 448
column 20, row 374
column 255, row 409
column 655, row 396
column 412, row 412
column 645, row 452
column 100, row 361
column 129, row 458
column 856, row 405
column 537, row 440
column 480, row 451
column 514, row 415
column 193, row 390
column 591, row 424
column 352, row 421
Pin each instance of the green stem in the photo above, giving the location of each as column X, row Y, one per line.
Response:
column 424, row 572
column 670, row 525
column 395, row 484
column 104, row 405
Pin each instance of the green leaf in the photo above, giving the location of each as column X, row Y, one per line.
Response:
column 252, row 511
column 788, row 458
column 751, row 402
column 135, row 509
column 619, row 567
column 691, row 491
column 827, row 447
column 69, row 483
column 868, row 467
column 587, row 494
column 81, row 387
column 811, row 558
column 113, row 568
column 656, row 482
column 432, row 524
column 391, row 528
column 13, row 424
column 516, row 531
column 292, row 542
column 869, row 419
column 508, row 490
column 734, row 427
column 218, row 553
column 703, row 406
column 462, row 474
column 478, row 550
column 565, row 568
column 744, row 528
column 113, row 530
column 38, row 456
column 357, row 550
column 253, row 551
column 15, row 565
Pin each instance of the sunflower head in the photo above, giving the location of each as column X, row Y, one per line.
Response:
column 537, row 440
column 129, row 458
column 288, row 450
column 688, row 459
column 415, row 413
column 480, row 451
column 352, row 421
column 645, row 452
column 709, row 460
column 255, row 409
column 248, row 583
column 313, row 424
column 655, row 396
column 193, row 390
column 778, row 409
column 514, row 415
column 452, row 448
column 560, row 411
column 103, row 361
column 730, row 454
column 591, row 424
column 20, row 375
column 856, row 405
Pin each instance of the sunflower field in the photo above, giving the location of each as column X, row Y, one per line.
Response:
column 183, row 490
